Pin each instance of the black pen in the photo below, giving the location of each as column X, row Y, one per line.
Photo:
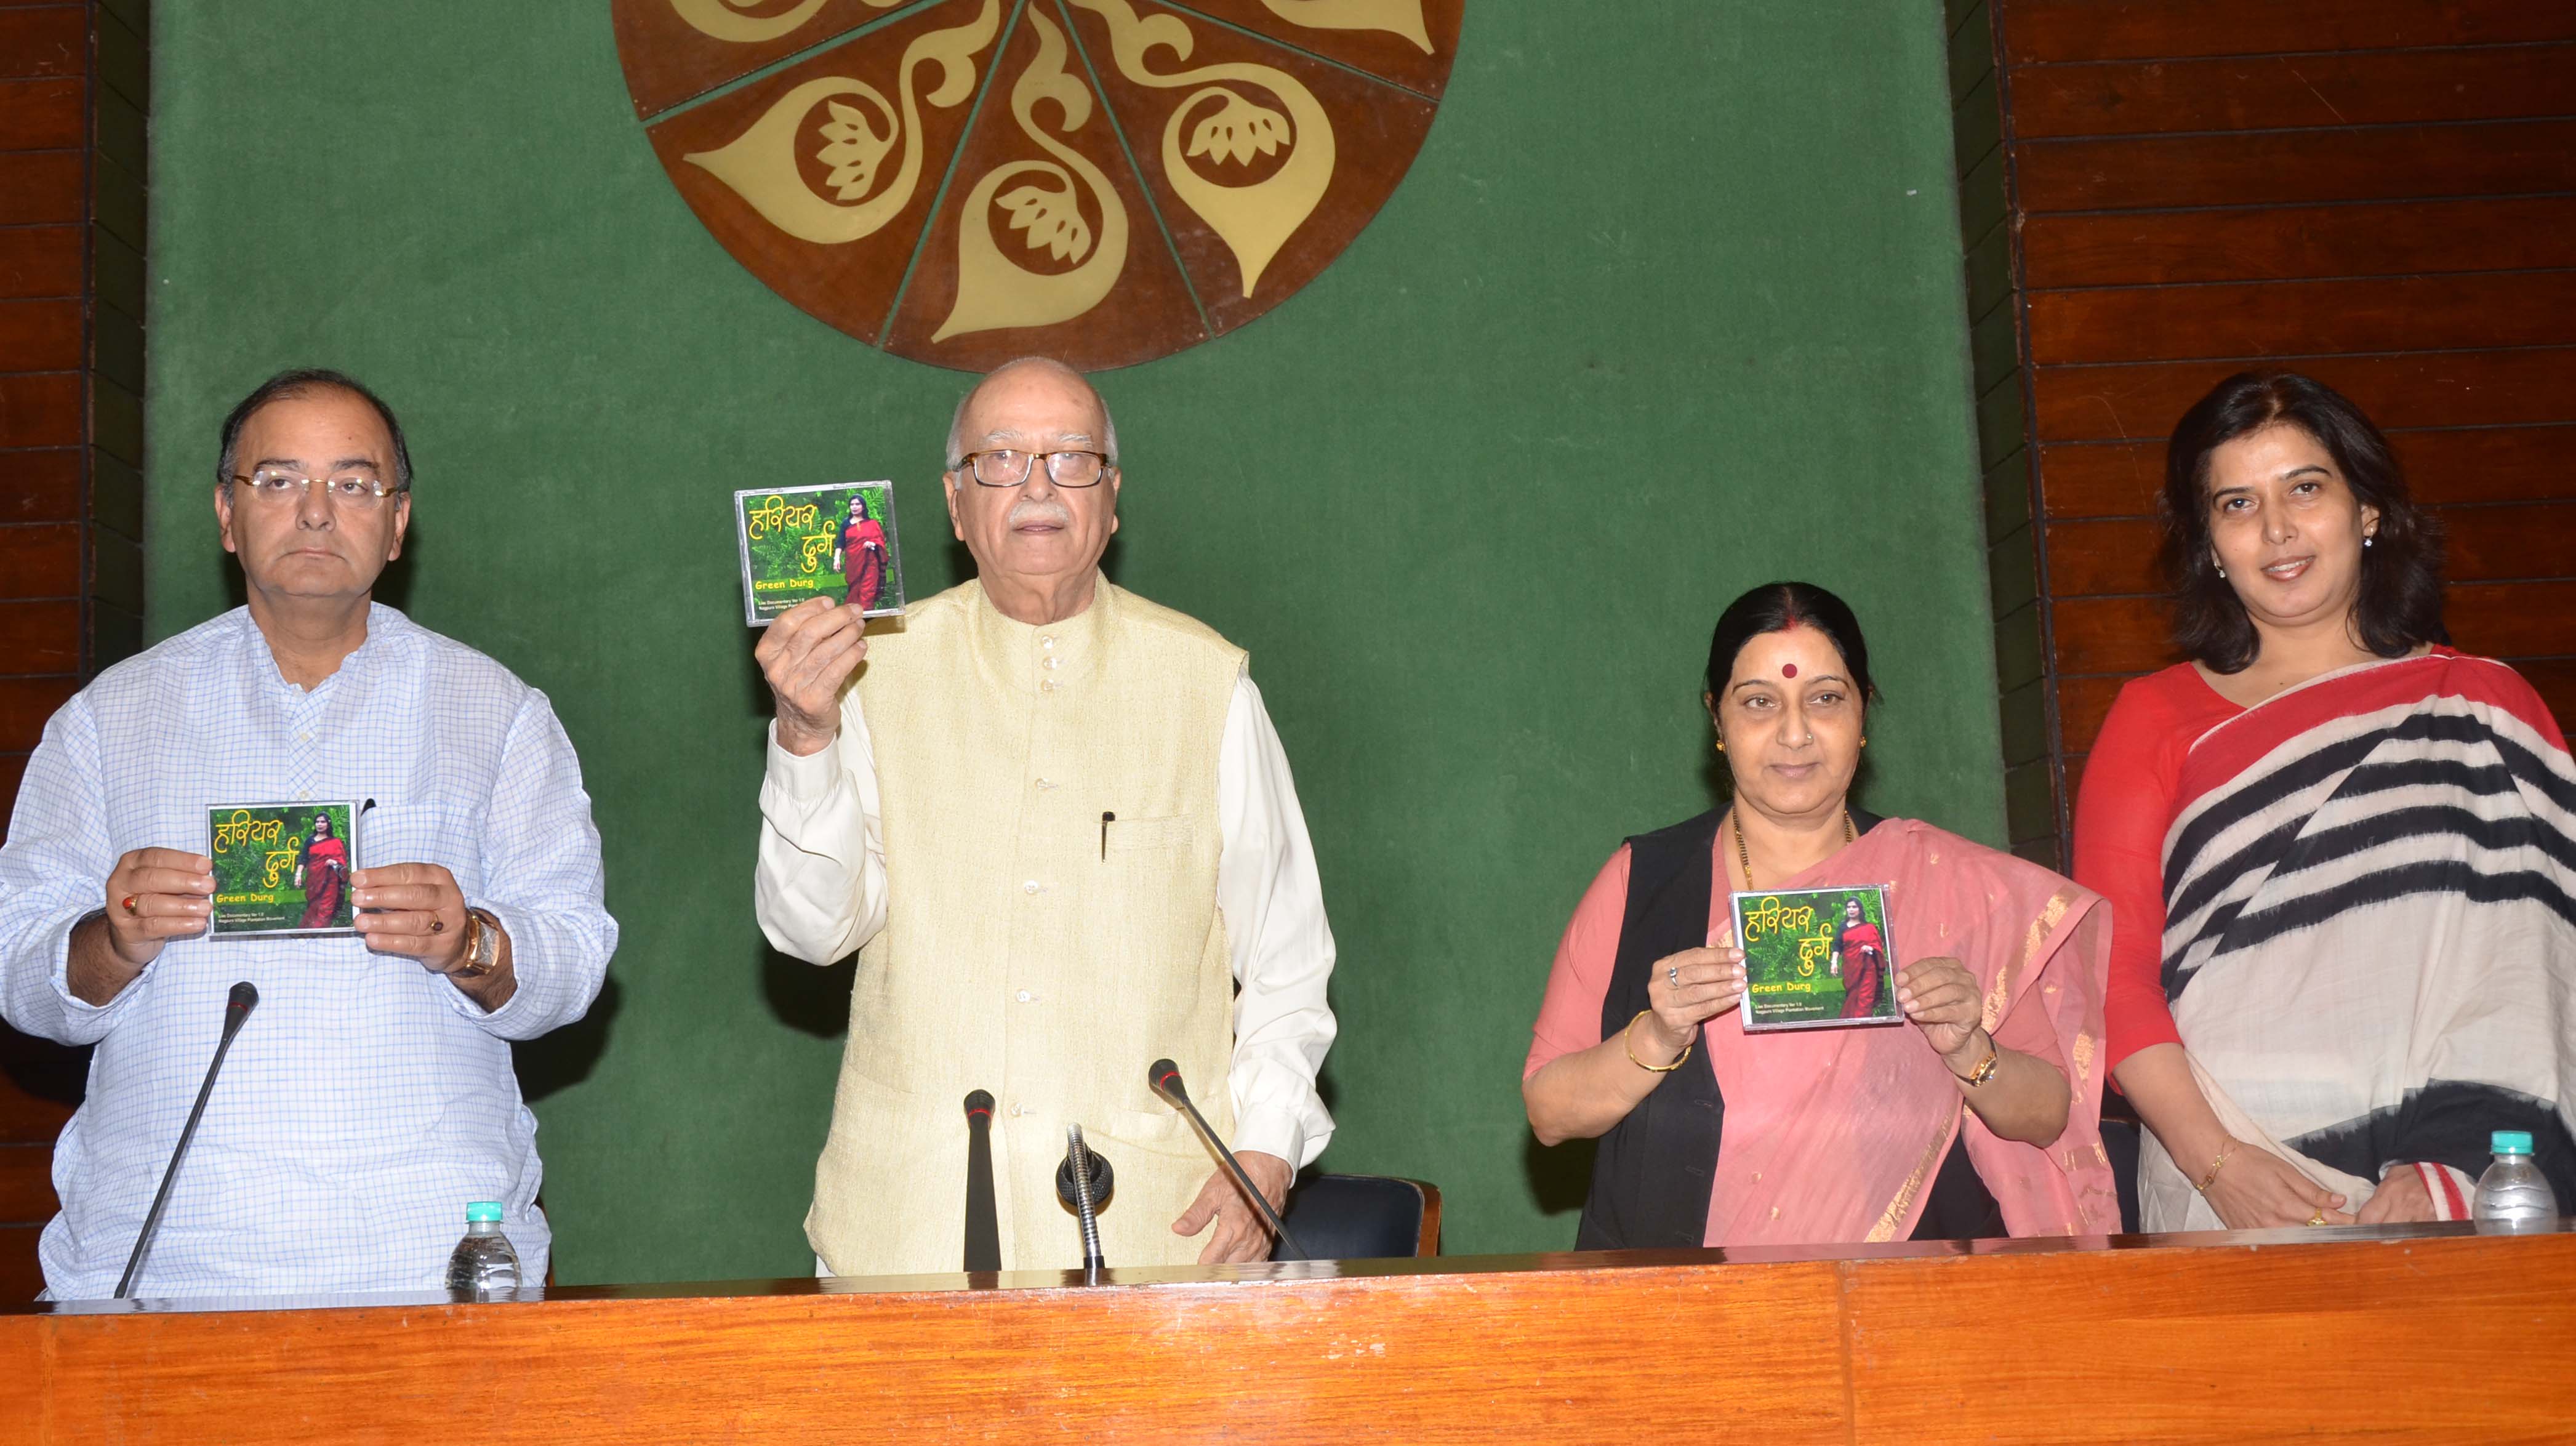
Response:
column 1106, row 819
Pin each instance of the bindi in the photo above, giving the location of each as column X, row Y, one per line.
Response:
column 1788, row 670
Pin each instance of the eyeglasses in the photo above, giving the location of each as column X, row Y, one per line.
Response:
column 1009, row 467
column 270, row 485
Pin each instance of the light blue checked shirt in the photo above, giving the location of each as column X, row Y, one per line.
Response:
column 367, row 1101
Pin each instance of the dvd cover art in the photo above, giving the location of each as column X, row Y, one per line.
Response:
column 1816, row 958
column 282, row 868
column 835, row 540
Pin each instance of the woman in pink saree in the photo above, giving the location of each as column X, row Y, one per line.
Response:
column 1977, row 1115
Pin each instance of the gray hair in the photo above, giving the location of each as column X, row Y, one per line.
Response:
column 957, row 420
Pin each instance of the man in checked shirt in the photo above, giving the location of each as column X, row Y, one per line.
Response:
column 371, row 1097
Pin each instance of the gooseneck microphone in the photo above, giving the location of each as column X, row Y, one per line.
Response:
column 1165, row 1077
column 237, row 1008
column 1084, row 1182
column 983, row 1219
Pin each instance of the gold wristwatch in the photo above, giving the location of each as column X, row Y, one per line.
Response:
column 482, row 945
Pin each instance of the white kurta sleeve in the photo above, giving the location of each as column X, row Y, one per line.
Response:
column 820, row 888
column 1273, row 902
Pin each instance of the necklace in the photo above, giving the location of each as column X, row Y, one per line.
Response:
column 1744, row 856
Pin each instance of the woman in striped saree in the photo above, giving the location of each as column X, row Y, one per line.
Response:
column 2340, row 856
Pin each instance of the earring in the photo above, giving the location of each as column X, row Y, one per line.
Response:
column 1721, row 745
column 2365, row 542
column 2222, row 569
column 1864, row 740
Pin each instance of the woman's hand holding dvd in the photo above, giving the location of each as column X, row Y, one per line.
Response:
column 1940, row 996
column 1692, row 987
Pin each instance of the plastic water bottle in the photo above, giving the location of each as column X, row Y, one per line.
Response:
column 483, row 1266
column 2512, row 1194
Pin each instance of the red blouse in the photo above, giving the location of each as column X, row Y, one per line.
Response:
column 2121, row 814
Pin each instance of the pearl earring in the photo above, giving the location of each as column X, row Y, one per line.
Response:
column 2365, row 542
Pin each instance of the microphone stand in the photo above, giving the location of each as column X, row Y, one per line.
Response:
column 983, row 1222
column 1083, row 1182
column 237, row 1008
column 1165, row 1077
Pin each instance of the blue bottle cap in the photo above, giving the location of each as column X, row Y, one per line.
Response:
column 2510, row 1142
column 482, row 1210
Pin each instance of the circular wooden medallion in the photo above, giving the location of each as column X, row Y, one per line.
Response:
column 1105, row 181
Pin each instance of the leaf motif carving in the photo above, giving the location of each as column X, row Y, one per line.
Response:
column 1052, row 219
column 853, row 148
column 1239, row 131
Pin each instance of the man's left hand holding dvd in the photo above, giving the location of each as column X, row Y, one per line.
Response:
column 418, row 912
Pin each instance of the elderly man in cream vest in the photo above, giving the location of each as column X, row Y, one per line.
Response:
column 1055, row 822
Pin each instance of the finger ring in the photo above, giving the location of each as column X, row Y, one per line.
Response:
column 1673, row 972
column 129, row 903
column 2317, row 1219
column 438, row 926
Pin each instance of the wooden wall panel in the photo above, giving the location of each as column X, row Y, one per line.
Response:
column 2280, row 92
column 2297, row 318
column 2041, row 32
column 2083, row 403
column 2466, row 464
column 2288, row 243
column 2378, row 193
column 2371, row 163
column 71, row 353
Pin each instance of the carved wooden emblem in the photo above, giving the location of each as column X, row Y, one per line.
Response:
column 1106, row 181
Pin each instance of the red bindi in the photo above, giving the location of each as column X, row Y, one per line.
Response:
column 1788, row 670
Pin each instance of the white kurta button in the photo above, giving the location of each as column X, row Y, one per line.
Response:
column 1030, row 887
column 1046, row 642
column 1025, row 996
column 1051, row 662
column 1047, row 686
column 1016, row 1111
column 1046, row 783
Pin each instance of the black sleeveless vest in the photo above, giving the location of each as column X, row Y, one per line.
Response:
column 1653, row 1172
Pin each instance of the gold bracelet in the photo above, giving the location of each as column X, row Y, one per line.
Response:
column 2215, row 1166
column 1627, row 1038
column 1986, row 1067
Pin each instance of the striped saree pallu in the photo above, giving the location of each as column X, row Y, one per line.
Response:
column 2370, row 938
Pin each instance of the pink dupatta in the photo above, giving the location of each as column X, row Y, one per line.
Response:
column 1833, row 1135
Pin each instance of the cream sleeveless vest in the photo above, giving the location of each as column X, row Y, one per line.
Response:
column 1029, row 949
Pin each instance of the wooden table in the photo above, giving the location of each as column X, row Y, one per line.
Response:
column 2425, row 1332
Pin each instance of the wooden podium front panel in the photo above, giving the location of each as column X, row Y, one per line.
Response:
column 2417, row 1333
column 1509, row 1355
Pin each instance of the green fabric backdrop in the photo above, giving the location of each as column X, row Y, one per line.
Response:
column 1669, row 305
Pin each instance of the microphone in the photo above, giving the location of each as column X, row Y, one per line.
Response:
column 1083, row 1183
column 237, row 1008
column 983, row 1221
column 1165, row 1077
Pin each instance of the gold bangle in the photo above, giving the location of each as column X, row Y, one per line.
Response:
column 2215, row 1166
column 1986, row 1067
column 1627, row 1038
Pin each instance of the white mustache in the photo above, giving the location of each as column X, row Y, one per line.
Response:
column 1031, row 509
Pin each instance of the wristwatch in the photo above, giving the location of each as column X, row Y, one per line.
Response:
column 482, row 945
